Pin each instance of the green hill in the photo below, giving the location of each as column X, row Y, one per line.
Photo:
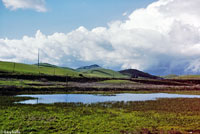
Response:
column 33, row 69
column 101, row 72
column 54, row 66
column 50, row 69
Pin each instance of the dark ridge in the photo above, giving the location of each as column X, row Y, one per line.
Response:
column 134, row 73
column 89, row 67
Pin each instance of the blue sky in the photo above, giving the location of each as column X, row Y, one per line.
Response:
column 157, row 36
column 64, row 16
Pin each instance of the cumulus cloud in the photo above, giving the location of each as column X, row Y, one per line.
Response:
column 162, row 38
column 38, row 5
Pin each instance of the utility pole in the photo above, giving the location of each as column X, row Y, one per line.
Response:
column 39, row 60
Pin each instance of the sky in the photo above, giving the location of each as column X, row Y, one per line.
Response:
column 50, row 16
column 157, row 36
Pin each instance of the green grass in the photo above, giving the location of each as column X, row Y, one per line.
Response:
column 17, row 82
column 187, row 77
column 101, row 72
column 33, row 69
column 49, row 69
column 132, row 117
column 173, row 76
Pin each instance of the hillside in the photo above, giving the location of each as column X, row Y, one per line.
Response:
column 134, row 73
column 54, row 66
column 104, row 73
column 97, row 71
column 47, row 69
column 86, row 71
column 187, row 77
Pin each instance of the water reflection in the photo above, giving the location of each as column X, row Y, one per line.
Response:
column 91, row 98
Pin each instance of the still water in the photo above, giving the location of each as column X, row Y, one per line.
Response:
column 93, row 98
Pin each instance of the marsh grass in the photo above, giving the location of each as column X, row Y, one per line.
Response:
column 17, row 82
column 114, row 117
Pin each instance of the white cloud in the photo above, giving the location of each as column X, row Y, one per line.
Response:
column 164, row 37
column 38, row 5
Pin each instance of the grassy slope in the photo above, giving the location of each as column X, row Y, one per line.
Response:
column 54, row 66
column 50, row 69
column 33, row 69
column 17, row 82
column 182, row 77
column 101, row 72
column 188, row 77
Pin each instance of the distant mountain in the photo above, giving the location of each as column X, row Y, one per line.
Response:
column 134, row 73
column 95, row 66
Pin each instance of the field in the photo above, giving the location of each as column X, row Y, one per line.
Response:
column 101, row 72
column 48, row 69
column 182, row 77
column 35, row 70
column 162, row 116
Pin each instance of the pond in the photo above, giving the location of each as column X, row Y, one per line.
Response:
column 93, row 98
